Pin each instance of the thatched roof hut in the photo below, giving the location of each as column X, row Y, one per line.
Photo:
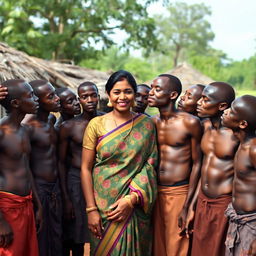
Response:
column 188, row 76
column 15, row 64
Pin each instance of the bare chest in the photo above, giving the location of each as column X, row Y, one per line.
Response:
column 77, row 133
column 15, row 144
column 45, row 136
column 219, row 143
column 242, row 161
column 172, row 133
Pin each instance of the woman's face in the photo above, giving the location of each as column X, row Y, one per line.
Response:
column 122, row 96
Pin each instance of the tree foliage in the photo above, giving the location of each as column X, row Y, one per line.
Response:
column 185, row 28
column 70, row 29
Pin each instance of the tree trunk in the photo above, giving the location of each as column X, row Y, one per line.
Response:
column 177, row 55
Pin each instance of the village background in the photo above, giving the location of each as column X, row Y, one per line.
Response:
column 71, row 41
column 68, row 42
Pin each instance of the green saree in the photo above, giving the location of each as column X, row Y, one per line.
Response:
column 126, row 161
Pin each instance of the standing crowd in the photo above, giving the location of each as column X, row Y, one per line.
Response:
column 182, row 182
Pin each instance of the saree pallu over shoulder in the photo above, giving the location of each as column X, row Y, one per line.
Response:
column 126, row 161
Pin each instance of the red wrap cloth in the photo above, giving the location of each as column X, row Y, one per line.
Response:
column 18, row 212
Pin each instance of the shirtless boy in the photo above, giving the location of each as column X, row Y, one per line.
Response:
column 70, row 147
column 241, row 237
column 17, row 190
column 179, row 136
column 188, row 101
column 43, row 163
column 219, row 146
column 69, row 105
column 141, row 98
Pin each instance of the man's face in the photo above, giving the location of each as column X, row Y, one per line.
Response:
column 159, row 95
column 69, row 103
column 48, row 99
column 28, row 101
column 188, row 101
column 230, row 117
column 208, row 104
column 141, row 99
column 89, row 98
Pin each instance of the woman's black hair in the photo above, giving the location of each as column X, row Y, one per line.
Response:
column 120, row 75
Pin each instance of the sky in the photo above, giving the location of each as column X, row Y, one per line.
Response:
column 233, row 23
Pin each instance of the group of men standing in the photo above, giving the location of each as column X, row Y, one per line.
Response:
column 207, row 170
column 40, row 159
column 206, row 173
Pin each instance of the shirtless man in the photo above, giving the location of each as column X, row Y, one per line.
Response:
column 69, row 105
column 43, row 163
column 141, row 98
column 17, row 190
column 70, row 147
column 188, row 101
column 241, row 118
column 219, row 146
column 179, row 136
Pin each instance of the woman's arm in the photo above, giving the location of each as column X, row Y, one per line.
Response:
column 94, row 219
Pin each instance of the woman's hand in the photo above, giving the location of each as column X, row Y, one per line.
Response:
column 121, row 211
column 95, row 223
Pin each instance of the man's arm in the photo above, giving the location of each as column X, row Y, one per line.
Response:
column 195, row 128
column 62, row 165
column 252, row 155
column 36, row 200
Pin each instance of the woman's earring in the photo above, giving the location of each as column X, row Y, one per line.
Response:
column 109, row 104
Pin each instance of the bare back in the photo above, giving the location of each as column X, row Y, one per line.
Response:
column 175, row 141
column 43, row 158
column 14, row 149
column 244, row 193
column 219, row 147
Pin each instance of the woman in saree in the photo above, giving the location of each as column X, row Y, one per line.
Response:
column 118, row 176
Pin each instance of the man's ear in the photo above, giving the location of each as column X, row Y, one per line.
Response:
column 174, row 95
column 223, row 106
column 243, row 124
column 15, row 103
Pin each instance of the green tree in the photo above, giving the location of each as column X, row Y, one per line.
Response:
column 185, row 28
column 70, row 29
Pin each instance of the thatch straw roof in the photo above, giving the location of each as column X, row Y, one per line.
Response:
column 18, row 65
column 188, row 76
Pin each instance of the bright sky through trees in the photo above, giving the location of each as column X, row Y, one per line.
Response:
column 232, row 21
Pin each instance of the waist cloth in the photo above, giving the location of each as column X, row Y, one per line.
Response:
column 210, row 225
column 241, row 232
column 76, row 229
column 169, row 204
column 18, row 212
column 50, row 237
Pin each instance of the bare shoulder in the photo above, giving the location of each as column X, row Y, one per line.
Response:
column 155, row 118
column 68, row 124
column 253, row 149
column 226, row 131
column 190, row 120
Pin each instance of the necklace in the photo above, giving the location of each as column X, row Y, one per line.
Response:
column 130, row 128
